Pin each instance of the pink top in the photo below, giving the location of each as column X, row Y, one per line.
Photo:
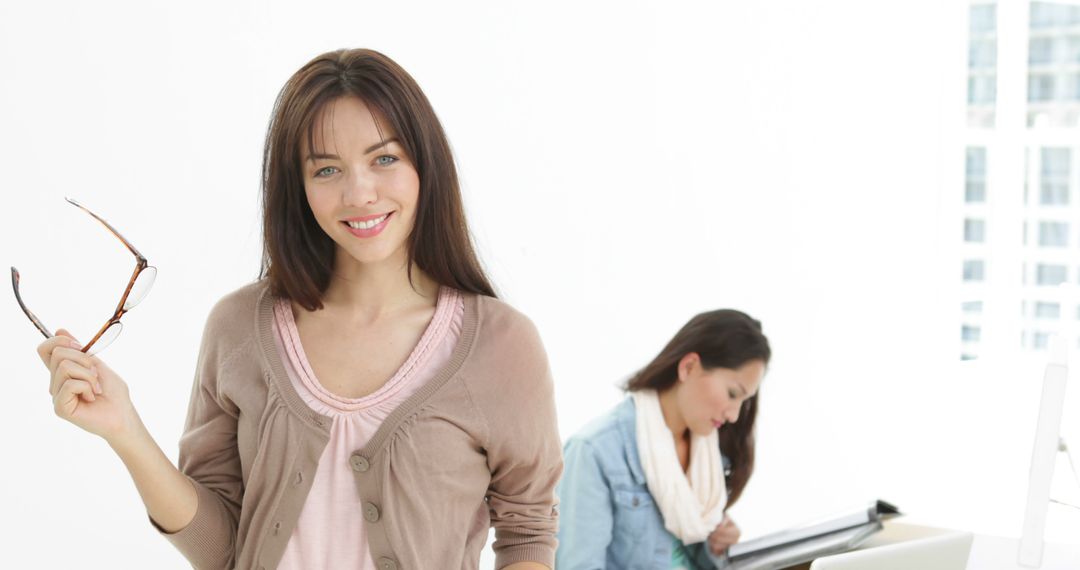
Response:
column 330, row 532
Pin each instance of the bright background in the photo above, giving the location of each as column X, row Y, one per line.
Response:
column 625, row 166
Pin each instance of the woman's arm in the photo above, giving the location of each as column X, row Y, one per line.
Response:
column 169, row 496
column 196, row 505
column 516, row 398
column 586, row 519
column 87, row 393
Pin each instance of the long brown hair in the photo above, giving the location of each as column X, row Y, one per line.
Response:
column 298, row 256
column 724, row 338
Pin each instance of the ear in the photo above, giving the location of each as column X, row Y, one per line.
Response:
column 687, row 364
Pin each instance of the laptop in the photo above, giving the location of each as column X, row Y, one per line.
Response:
column 942, row 552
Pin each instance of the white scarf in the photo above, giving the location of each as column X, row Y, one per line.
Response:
column 691, row 503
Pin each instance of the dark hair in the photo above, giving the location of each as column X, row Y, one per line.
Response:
column 298, row 256
column 723, row 339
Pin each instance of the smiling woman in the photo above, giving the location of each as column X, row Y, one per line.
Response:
column 368, row 402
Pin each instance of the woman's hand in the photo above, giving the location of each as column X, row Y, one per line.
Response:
column 85, row 391
column 724, row 535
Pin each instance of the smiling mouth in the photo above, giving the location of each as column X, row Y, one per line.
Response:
column 368, row 223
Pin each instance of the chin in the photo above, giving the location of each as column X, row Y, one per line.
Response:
column 703, row 430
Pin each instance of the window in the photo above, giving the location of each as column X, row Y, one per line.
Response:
column 1072, row 50
column 1053, row 234
column 974, row 270
column 1050, row 15
column 1050, row 275
column 1055, row 162
column 974, row 230
column 1040, row 87
column 1040, row 340
column 972, row 306
column 1054, row 175
column 982, row 89
column 1044, row 310
column 1040, row 50
column 970, row 334
column 983, row 18
column 975, row 168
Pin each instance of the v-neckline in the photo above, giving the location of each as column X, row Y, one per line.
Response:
column 445, row 307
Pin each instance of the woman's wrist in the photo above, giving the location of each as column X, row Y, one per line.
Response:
column 131, row 436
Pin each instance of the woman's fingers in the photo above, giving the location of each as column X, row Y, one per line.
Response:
column 66, row 400
column 724, row 535
column 73, row 369
column 62, row 338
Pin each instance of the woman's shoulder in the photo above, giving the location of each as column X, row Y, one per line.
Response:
column 497, row 318
column 604, row 431
column 505, row 336
column 234, row 313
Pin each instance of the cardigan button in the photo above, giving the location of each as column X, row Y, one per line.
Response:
column 387, row 564
column 371, row 513
column 359, row 463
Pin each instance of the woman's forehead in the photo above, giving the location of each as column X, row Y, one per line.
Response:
column 344, row 124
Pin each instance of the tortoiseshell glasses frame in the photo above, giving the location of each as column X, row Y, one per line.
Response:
column 139, row 284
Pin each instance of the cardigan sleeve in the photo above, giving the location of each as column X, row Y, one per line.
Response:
column 210, row 459
column 522, row 445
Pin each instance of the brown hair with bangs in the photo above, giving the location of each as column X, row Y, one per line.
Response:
column 298, row 256
column 725, row 338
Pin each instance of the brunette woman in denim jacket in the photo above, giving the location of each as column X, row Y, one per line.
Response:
column 648, row 484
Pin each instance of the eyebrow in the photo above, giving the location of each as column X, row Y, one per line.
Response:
column 739, row 384
column 316, row 156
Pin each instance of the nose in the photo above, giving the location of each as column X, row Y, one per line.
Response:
column 732, row 414
column 361, row 189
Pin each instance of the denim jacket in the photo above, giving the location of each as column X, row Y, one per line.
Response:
column 607, row 518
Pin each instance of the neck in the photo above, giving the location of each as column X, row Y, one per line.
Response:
column 368, row 291
column 669, row 405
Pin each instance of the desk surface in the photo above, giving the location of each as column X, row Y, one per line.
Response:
column 987, row 552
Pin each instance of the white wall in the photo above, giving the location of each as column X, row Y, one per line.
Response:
column 625, row 166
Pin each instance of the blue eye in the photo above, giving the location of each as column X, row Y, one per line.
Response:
column 381, row 162
column 319, row 172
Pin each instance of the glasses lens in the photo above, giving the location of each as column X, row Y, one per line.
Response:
column 106, row 339
column 141, row 287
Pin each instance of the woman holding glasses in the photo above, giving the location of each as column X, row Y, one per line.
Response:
column 368, row 403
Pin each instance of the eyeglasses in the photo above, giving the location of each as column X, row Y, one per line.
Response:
column 137, row 288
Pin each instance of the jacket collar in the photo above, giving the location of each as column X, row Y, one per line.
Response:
column 626, row 418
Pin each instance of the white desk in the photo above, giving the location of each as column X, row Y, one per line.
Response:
column 987, row 552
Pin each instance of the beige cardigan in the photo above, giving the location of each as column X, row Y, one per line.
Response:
column 476, row 447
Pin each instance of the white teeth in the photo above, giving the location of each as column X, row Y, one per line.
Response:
column 368, row 224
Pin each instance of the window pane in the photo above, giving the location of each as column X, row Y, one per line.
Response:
column 1050, row 275
column 1040, row 50
column 1044, row 310
column 975, row 170
column 983, row 18
column 974, row 270
column 970, row 333
column 1040, row 87
column 1055, row 162
column 1053, row 234
column 974, row 230
column 972, row 306
column 1054, row 194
